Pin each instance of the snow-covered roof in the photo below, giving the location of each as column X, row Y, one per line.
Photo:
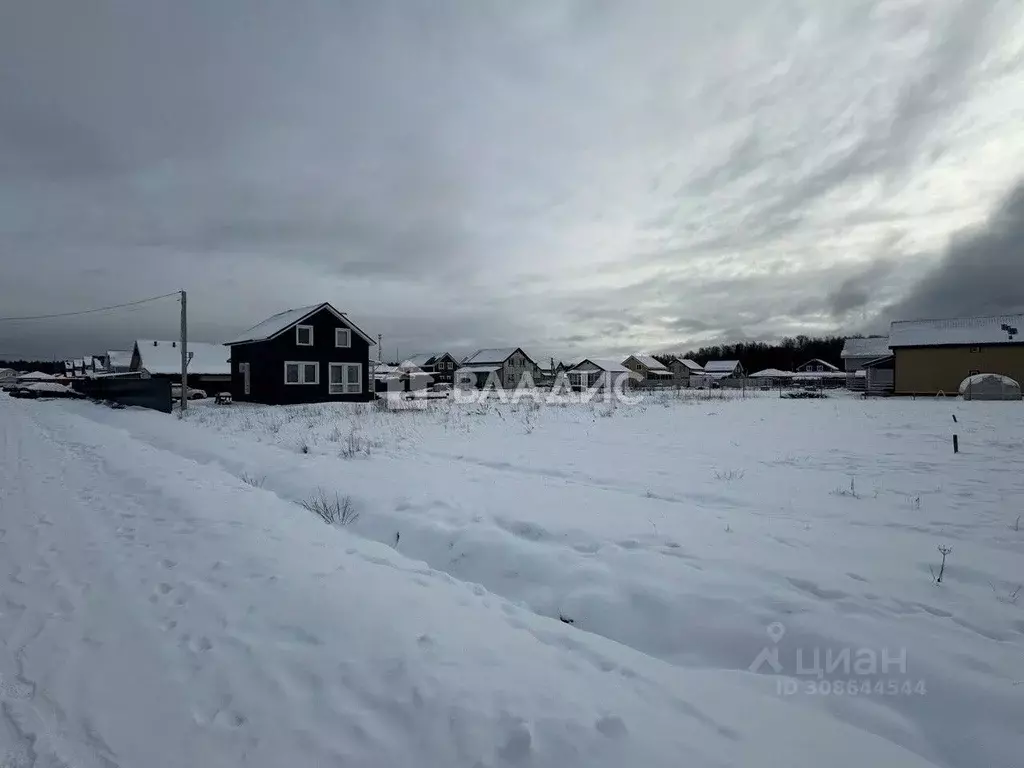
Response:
column 772, row 373
column 119, row 358
column 605, row 364
column 721, row 366
column 876, row 346
column 165, row 357
column 496, row 355
column 815, row 375
column 480, row 368
column 282, row 321
column 47, row 386
column 960, row 331
column 419, row 360
column 648, row 362
column 818, row 361
column 35, row 376
column 693, row 365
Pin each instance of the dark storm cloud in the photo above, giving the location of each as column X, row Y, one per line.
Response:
column 858, row 290
column 981, row 273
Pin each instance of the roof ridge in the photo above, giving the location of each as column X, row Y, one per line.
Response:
column 952, row 319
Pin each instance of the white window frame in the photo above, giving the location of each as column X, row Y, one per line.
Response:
column 246, row 371
column 348, row 338
column 302, row 372
column 298, row 340
column 346, row 387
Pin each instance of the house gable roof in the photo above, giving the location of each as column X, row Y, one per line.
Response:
column 493, row 356
column 693, row 365
column 277, row 324
column 119, row 358
column 607, row 365
column 420, row 360
column 959, row 331
column 647, row 362
column 875, row 346
column 721, row 366
column 818, row 361
column 165, row 357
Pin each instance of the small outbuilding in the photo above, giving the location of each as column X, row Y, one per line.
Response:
column 989, row 386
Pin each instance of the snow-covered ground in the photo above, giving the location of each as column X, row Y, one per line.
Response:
column 748, row 581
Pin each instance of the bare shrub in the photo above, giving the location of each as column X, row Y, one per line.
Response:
column 355, row 445
column 730, row 475
column 1010, row 598
column 943, row 550
column 850, row 492
column 336, row 510
column 255, row 482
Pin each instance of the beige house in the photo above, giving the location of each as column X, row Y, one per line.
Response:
column 598, row 373
column 648, row 369
column 935, row 356
column 683, row 370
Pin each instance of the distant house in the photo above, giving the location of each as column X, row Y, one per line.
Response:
column 504, row 367
column 817, row 365
column 305, row 355
column 647, row 368
column 441, row 366
column 933, row 356
column 599, row 374
column 684, row 370
column 771, row 377
column 719, row 370
column 119, row 361
column 857, row 351
column 209, row 365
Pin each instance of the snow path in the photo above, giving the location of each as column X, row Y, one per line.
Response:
column 560, row 523
column 156, row 612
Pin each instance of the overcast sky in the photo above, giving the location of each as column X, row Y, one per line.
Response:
column 580, row 177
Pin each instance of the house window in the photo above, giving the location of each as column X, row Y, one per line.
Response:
column 304, row 335
column 301, row 373
column 346, row 379
column 342, row 337
column 975, row 349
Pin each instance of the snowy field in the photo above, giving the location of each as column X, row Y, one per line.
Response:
column 729, row 582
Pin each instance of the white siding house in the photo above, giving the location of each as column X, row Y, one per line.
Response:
column 597, row 373
column 647, row 368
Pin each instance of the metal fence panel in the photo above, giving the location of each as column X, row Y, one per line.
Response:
column 144, row 393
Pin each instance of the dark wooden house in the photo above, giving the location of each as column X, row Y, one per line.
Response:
column 441, row 367
column 307, row 355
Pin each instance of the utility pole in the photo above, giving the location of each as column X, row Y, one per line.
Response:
column 184, row 355
column 380, row 350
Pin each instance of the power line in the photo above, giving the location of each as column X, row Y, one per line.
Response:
column 90, row 311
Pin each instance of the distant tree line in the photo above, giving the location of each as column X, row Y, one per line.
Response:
column 42, row 366
column 786, row 355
